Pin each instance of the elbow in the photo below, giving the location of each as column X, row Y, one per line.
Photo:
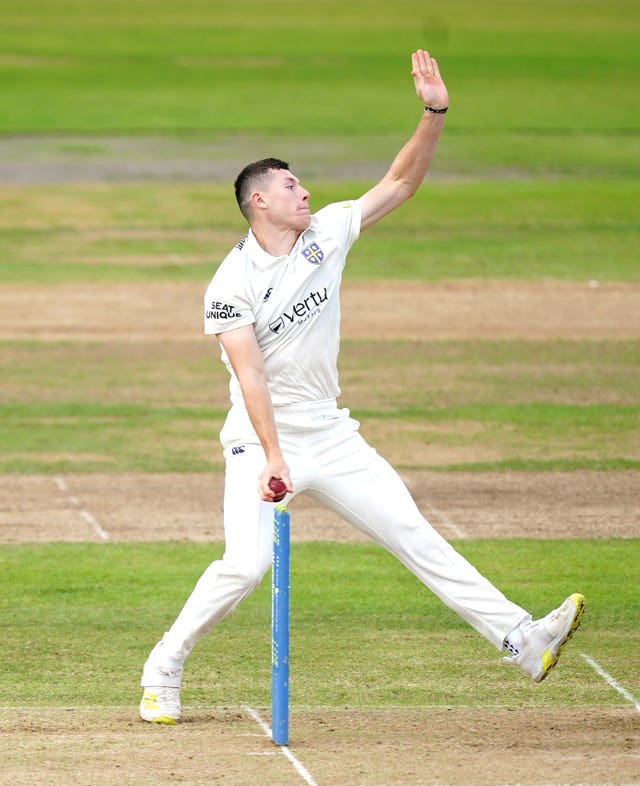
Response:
column 411, row 190
column 407, row 189
column 402, row 186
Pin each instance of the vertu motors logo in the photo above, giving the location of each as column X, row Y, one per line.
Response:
column 300, row 311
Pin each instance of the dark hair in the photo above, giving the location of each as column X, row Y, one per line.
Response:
column 250, row 177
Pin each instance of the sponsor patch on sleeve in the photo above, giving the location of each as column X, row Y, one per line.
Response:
column 221, row 311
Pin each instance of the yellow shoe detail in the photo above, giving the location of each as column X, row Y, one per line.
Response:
column 550, row 659
column 150, row 704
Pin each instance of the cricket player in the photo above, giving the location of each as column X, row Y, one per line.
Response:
column 274, row 306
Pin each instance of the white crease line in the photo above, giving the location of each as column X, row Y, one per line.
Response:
column 91, row 520
column 457, row 531
column 61, row 484
column 300, row 769
column 613, row 683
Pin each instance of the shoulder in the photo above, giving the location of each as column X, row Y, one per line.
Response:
column 341, row 220
column 229, row 298
column 338, row 212
column 239, row 246
column 235, row 263
column 231, row 277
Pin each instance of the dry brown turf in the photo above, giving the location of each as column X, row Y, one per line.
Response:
column 145, row 507
column 453, row 310
column 338, row 747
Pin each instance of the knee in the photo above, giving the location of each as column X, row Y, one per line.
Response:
column 249, row 579
column 247, row 576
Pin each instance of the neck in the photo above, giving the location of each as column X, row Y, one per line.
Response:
column 274, row 241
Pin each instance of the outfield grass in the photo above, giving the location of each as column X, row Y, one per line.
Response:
column 378, row 375
column 156, row 64
column 529, row 230
column 78, row 620
column 113, row 407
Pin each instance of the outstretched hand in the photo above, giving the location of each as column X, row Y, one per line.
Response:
column 430, row 88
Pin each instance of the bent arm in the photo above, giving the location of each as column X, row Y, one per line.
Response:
column 246, row 360
column 411, row 164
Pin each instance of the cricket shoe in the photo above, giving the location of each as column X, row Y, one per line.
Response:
column 543, row 639
column 161, row 705
column 161, row 697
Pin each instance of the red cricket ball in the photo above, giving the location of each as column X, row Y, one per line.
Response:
column 278, row 488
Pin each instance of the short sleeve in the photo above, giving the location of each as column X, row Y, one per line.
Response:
column 342, row 220
column 226, row 306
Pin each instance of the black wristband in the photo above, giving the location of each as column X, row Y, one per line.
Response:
column 436, row 111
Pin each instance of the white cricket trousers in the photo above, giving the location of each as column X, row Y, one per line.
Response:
column 331, row 462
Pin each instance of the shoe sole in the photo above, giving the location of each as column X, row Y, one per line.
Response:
column 167, row 720
column 551, row 656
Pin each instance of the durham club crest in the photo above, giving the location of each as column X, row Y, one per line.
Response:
column 313, row 253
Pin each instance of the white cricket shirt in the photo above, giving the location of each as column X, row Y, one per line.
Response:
column 292, row 301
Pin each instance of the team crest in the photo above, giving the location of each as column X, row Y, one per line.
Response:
column 313, row 253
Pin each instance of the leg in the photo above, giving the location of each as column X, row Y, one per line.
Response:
column 248, row 532
column 351, row 479
column 249, row 537
column 363, row 488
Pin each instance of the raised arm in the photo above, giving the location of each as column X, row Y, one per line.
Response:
column 410, row 165
column 246, row 359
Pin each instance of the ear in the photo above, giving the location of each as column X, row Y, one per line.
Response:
column 257, row 200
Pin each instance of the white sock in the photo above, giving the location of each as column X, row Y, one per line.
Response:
column 513, row 641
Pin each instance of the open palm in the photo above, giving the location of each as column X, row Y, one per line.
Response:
column 428, row 83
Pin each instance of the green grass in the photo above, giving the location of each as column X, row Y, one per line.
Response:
column 384, row 375
column 77, row 621
column 117, row 438
column 125, row 437
column 376, row 375
column 155, row 64
column 529, row 230
column 114, row 407
column 524, row 231
column 527, row 436
column 532, row 179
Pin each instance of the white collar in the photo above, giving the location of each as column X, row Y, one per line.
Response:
column 262, row 258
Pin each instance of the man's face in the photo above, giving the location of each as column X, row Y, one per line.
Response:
column 287, row 201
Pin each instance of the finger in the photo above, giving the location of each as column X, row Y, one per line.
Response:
column 264, row 491
column 415, row 64
column 265, row 494
column 417, row 61
column 285, row 477
column 423, row 60
column 436, row 70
